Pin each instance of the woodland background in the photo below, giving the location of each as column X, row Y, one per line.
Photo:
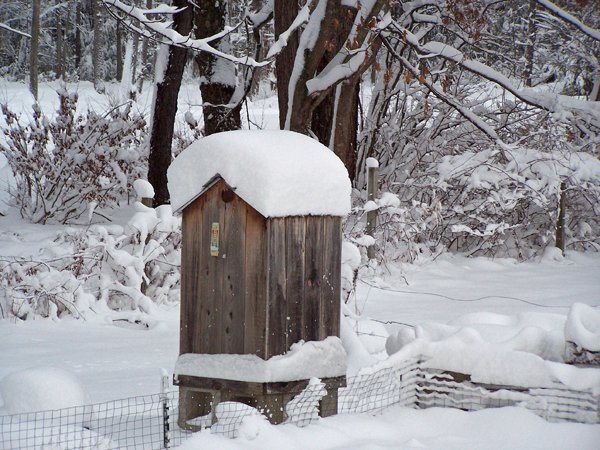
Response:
column 484, row 116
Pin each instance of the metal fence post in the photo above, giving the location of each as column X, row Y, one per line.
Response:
column 164, row 387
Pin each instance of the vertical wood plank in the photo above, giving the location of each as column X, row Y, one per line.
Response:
column 210, row 297
column 276, row 287
column 329, row 308
column 294, row 264
column 233, row 277
column 313, row 261
column 255, row 313
column 191, row 238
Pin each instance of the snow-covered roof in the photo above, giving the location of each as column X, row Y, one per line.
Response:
column 279, row 173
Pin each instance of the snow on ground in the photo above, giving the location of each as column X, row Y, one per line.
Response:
column 44, row 388
column 115, row 362
column 403, row 428
column 521, row 306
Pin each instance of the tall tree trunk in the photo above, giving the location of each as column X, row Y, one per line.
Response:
column 35, row 45
column 146, row 71
column 77, row 49
column 335, row 119
column 165, row 107
column 530, row 44
column 134, row 60
column 284, row 13
column 119, row 44
column 218, row 77
column 58, row 67
column 96, row 46
column 345, row 125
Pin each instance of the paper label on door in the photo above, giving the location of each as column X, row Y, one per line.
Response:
column 214, row 239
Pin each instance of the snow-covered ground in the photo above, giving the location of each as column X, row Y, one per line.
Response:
column 116, row 362
column 501, row 303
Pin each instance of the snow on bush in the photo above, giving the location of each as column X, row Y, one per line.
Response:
column 41, row 389
column 65, row 163
column 129, row 268
column 458, row 190
column 351, row 260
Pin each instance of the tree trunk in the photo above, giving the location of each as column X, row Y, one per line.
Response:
column 345, row 126
column 35, row 45
column 77, row 37
column 284, row 13
column 335, row 119
column 145, row 72
column 218, row 77
column 134, row 61
column 530, row 44
column 165, row 107
column 96, row 47
column 58, row 67
column 119, row 44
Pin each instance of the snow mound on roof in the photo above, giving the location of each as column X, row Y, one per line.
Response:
column 279, row 173
column 583, row 327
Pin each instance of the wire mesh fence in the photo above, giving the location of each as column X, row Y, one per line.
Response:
column 150, row 422
column 555, row 404
column 147, row 422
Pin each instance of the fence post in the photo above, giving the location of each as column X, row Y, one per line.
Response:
column 164, row 387
column 372, row 182
column 560, row 221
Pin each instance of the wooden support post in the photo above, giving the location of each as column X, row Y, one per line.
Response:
column 560, row 221
column 372, row 182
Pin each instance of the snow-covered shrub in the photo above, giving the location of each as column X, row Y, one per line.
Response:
column 65, row 164
column 459, row 190
column 351, row 259
column 34, row 288
column 507, row 202
column 130, row 268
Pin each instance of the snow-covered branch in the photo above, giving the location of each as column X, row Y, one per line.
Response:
column 6, row 27
column 463, row 111
column 564, row 15
column 164, row 30
column 558, row 104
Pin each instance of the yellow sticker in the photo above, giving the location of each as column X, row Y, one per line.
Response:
column 214, row 239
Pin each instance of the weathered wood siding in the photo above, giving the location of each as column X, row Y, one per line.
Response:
column 304, row 278
column 275, row 281
column 221, row 295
